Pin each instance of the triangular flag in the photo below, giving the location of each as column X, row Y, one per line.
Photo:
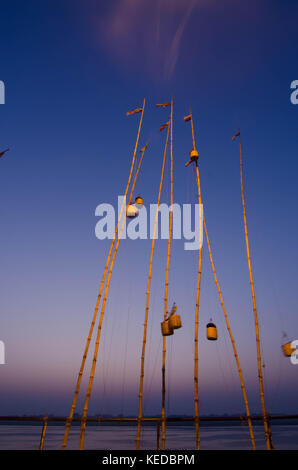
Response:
column 134, row 111
column 144, row 148
column 236, row 135
column 164, row 126
column 3, row 152
column 163, row 105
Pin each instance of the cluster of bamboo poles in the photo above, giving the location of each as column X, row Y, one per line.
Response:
column 169, row 127
column 108, row 272
column 268, row 434
column 225, row 315
column 95, row 355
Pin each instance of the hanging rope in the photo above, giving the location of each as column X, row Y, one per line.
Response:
column 196, row 358
column 268, row 434
column 77, row 389
column 140, row 413
column 126, row 340
column 221, row 299
column 231, row 337
column 163, row 370
column 87, row 398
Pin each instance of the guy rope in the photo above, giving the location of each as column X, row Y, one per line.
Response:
column 268, row 434
column 79, row 379
column 140, row 412
column 163, row 370
column 87, row 398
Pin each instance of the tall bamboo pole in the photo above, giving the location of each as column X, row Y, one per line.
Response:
column 140, row 413
column 163, row 398
column 196, row 355
column 196, row 358
column 78, row 384
column 43, row 432
column 232, row 340
column 88, row 394
column 268, row 434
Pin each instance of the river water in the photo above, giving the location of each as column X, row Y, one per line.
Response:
column 106, row 437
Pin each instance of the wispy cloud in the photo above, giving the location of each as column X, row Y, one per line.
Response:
column 175, row 46
column 148, row 32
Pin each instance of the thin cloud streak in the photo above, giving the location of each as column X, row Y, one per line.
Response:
column 174, row 51
column 150, row 34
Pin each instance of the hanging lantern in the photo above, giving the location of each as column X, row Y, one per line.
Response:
column 175, row 322
column 287, row 349
column 211, row 332
column 166, row 330
column 139, row 202
column 131, row 211
column 194, row 155
column 174, row 318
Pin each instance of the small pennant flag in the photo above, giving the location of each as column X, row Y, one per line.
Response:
column 187, row 118
column 163, row 105
column 174, row 309
column 3, row 152
column 236, row 135
column 134, row 111
column 144, row 148
column 164, row 126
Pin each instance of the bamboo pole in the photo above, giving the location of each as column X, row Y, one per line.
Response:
column 268, row 434
column 158, row 435
column 140, row 413
column 196, row 358
column 222, row 303
column 163, row 399
column 232, row 340
column 43, row 432
column 87, row 398
column 79, row 379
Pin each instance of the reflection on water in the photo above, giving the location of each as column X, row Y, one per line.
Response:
column 123, row 437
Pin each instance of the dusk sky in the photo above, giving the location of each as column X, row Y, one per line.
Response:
column 72, row 70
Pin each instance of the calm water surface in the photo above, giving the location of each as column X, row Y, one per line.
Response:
column 123, row 437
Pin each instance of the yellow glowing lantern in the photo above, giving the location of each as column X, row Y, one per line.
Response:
column 166, row 330
column 139, row 202
column 211, row 332
column 287, row 349
column 131, row 211
column 194, row 155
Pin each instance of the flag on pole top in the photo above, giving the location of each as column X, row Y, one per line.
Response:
column 163, row 105
column 3, row 152
column 144, row 148
column 134, row 111
column 164, row 126
column 236, row 135
column 188, row 118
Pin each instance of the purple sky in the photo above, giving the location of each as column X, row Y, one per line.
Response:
column 71, row 72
